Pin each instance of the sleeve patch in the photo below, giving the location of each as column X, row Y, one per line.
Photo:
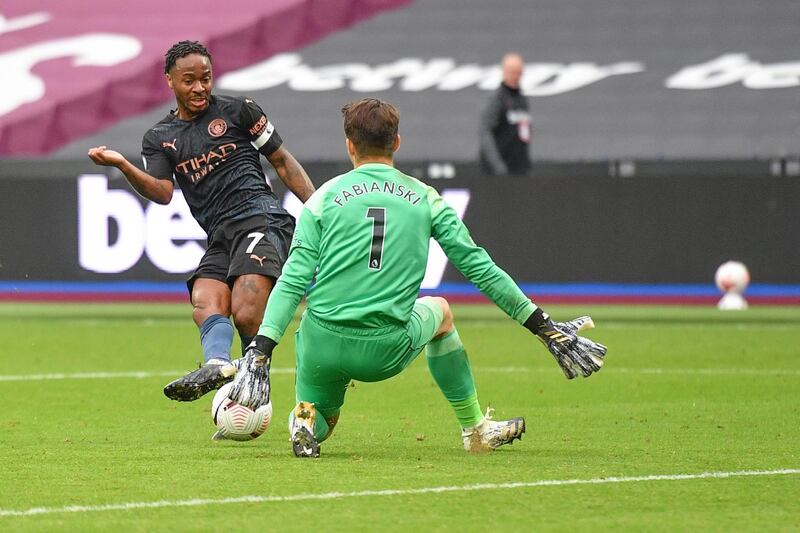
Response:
column 264, row 135
column 258, row 128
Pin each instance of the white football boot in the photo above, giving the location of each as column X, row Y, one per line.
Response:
column 219, row 435
column 491, row 434
column 303, row 422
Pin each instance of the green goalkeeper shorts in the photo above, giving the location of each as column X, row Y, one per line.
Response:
column 330, row 356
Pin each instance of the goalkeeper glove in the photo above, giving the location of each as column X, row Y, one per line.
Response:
column 575, row 355
column 261, row 349
column 251, row 386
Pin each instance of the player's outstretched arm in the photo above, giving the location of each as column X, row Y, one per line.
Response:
column 577, row 356
column 157, row 190
column 291, row 173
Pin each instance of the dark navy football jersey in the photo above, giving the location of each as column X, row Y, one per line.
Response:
column 215, row 159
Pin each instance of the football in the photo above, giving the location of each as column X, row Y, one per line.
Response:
column 732, row 276
column 236, row 421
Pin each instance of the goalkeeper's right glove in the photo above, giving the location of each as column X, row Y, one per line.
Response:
column 251, row 386
column 575, row 355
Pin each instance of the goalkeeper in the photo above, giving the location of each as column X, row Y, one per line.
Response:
column 364, row 236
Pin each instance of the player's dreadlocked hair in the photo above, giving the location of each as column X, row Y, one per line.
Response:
column 183, row 49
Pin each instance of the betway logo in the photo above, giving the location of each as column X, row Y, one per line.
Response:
column 168, row 234
column 416, row 74
column 540, row 79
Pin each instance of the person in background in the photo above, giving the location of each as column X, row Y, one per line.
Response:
column 505, row 124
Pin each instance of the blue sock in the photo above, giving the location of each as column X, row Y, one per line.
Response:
column 216, row 336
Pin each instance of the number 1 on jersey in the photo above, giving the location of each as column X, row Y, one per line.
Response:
column 378, row 216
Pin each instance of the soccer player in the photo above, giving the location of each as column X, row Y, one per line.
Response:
column 364, row 236
column 211, row 145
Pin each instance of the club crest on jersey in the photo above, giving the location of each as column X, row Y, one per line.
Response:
column 217, row 127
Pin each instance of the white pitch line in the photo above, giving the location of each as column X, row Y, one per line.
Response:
column 197, row 502
column 112, row 375
column 479, row 369
column 680, row 371
column 714, row 371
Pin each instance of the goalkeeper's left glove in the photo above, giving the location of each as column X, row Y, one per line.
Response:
column 251, row 386
column 575, row 355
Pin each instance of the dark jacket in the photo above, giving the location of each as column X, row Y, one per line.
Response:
column 505, row 133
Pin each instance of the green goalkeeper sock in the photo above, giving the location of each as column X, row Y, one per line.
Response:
column 449, row 366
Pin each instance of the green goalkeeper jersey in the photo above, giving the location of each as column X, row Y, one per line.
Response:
column 363, row 239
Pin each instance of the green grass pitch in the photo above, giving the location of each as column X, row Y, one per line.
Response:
column 694, row 424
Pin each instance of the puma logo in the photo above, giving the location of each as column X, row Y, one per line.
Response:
column 259, row 259
column 170, row 145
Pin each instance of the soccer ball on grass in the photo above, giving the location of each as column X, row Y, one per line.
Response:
column 236, row 421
